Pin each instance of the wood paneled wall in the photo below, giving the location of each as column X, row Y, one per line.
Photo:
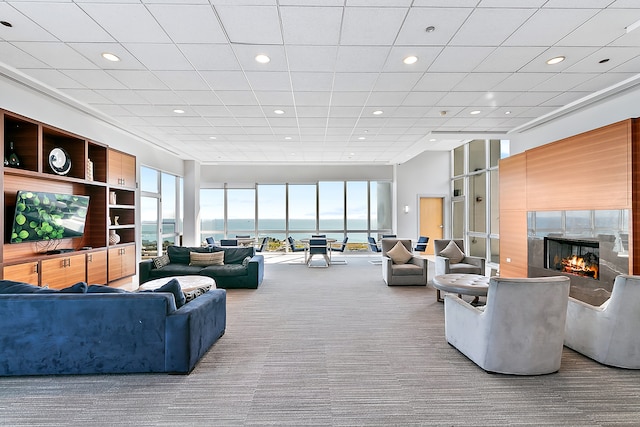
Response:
column 593, row 170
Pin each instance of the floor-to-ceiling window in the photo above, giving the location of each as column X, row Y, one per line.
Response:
column 160, row 210
column 474, row 201
column 353, row 209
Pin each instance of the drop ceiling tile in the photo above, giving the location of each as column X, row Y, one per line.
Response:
column 385, row 99
column 24, row 29
column 199, row 97
column 246, row 111
column 532, row 99
column 93, row 52
column 18, row 58
column 306, row 122
column 490, row 27
column 615, row 56
column 309, row 81
column 630, row 66
column 446, row 20
column 494, row 99
column 213, row 111
column 94, row 79
column 439, row 81
column 603, row 81
column 127, row 22
column 54, row 78
column 548, row 26
column 341, row 125
column 282, row 99
column 311, row 58
column 56, row 55
column 157, row 115
column 602, row 29
column 415, row 98
column 371, row 26
column 509, row 59
column 87, row 96
column 237, row 97
column 161, row 97
column 457, row 59
column 159, row 57
column 252, row 122
column 459, row 98
column 253, row 25
column 521, row 82
column 189, row 23
column 114, row 111
column 354, row 81
column 226, row 80
column 413, row 111
column 565, row 98
column 369, row 3
column 338, row 111
column 361, row 58
column 573, row 55
column 182, row 80
column 511, row 3
column 397, row 81
column 311, row 25
column 246, row 54
column 312, row 98
column 268, row 80
column 425, row 54
column 563, row 82
column 209, row 56
column 122, row 96
column 480, row 81
column 137, row 79
column 349, row 98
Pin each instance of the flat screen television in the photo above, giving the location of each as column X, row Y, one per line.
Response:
column 48, row 216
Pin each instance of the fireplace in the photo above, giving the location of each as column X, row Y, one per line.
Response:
column 577, row 257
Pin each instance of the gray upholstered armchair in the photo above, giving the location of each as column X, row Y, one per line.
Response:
column 519, row 331
column 400, row 266
column 608, row 333
column 452, row 258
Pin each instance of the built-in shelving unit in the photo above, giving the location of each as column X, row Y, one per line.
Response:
column 96, row 171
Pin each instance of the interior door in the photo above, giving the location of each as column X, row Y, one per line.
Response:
column 431, row 220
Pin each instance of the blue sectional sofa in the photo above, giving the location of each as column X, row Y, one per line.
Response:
column 43, row 333
column 241, row 268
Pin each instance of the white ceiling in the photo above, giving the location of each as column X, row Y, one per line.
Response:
column 333, row 63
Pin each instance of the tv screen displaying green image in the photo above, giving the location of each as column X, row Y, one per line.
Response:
column 48, row 216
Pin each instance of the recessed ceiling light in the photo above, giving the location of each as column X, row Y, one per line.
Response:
column 213, row 137
column 352, row 154
column 430, row 29
column 556, row 60
column 6, row 24
column 287, row 138
column 278, row 111
column 361, row 138
column 602, row 61
column 410, row 60
column 507, row 112
column 178, row 111
column 432, row 140
column 263, row 59
column 110, row 57
column 474, row 112
column 377, row 112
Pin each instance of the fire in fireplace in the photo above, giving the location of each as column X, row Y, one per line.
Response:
column 579, row 257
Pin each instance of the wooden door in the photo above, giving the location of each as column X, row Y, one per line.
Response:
column 431, row 220
column 26, row 272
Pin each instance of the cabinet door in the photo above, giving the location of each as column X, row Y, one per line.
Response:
column 27, row 272
column 97, row 268
column 58, row 273
column 128, row 261
column 128, row 170
column 115, row 264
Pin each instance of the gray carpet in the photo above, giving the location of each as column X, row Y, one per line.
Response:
column 330, row 346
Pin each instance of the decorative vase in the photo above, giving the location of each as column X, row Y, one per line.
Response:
column 115, row 220
column 89, row 170
column 114, row 238
column 112, row 198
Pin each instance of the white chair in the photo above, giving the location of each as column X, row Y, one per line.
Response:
column 608, row 333
column 519, row 331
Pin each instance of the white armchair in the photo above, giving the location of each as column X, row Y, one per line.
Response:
column 608, row 333
column 519, row 331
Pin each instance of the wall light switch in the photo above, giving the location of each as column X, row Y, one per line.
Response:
column 508, row 259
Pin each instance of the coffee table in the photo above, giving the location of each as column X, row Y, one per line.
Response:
column 467, row 284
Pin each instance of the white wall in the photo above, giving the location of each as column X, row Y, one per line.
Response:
column 425, row 175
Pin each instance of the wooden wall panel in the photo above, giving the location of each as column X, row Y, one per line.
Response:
column 591, row 170
column 513, row 243
column 513, row 183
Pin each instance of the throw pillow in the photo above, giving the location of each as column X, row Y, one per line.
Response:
column 399, row 254
column 192, row 294
column 213, row 258
column 245, row 261
column 11, row 287
column 173, row 286
column 78, row 288
column 453, row 252
column 161, row 261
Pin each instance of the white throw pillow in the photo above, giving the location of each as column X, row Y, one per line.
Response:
column 453, row 252
column 206, row 258
column 399, row 254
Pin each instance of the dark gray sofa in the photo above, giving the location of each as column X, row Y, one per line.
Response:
column 242, row 267
column 77, row 331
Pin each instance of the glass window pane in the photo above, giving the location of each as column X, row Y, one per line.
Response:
column 149, row 226
column 494, row 152
column 302, row 207
column 477, row 202
column 495, row 205
column 495, row 250
column 148, row 179
column 477, row 159
column 212, row 213
column 457, row 226
column 380, row 205
column 241, row 211
column 331, row 201
column 551, row 220
column 168, row 204
column 458, row 161
column 357, row 205
column 458, row 187
column 477, row 247
column 272, row 207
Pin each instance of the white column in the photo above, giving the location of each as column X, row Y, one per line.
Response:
column 191, row 223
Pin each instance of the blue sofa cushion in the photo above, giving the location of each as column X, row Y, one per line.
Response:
column 11, row 287
column 101, row 289
column 236, row 255
column 180, row 254
column 227, row 270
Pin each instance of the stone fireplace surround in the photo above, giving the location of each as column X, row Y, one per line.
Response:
column 609, row 228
